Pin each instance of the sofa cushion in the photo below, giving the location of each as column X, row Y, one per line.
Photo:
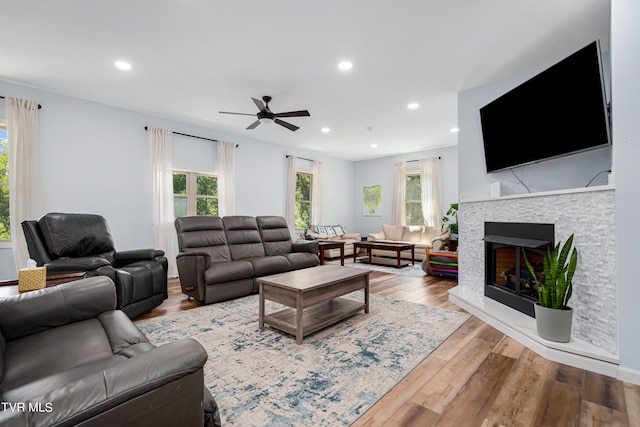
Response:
column 393, row 232
column 412, row 235
column 266, row 265
column 54, row 350
column 228, row 271
column 243, row 237
column 75, row 235
column 276, row 236
column 203, row 234
column 300, row 260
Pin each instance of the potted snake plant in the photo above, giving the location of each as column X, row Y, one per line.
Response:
column 553, row 314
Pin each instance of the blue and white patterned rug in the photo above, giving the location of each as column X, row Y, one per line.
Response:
column 262, row 378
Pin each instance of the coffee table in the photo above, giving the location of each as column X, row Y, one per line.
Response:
column 397, row 247
column 311, row 296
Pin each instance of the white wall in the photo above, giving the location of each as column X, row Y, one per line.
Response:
column 380, row 172
column 95, row 159
column 625, row 69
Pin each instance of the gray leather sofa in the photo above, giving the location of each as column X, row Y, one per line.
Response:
column 220, row 258
column 68, row 358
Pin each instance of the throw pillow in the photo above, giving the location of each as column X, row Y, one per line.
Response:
column 339, row 230
column 330, row 231
column 320, row 229
column 393, row 232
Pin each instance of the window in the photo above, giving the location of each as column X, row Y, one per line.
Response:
column 303, row 200
column 412, row 200
column 5, row 230
column 194, row 194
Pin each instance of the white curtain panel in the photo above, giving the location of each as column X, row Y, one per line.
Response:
column 161, row 147
column 430, row 191
column 226, row 179
column 398, row 212
column 290, row 213
column 25, row 198
column 316, row 193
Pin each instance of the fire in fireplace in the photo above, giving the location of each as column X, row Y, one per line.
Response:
column 507, row 278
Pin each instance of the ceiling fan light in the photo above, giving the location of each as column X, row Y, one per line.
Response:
column 266, row 120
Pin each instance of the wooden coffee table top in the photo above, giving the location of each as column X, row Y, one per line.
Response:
column 385, row 245
column 312, row 278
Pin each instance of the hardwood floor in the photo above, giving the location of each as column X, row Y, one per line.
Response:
column 480, row 377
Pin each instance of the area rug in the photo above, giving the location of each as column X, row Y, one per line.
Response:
column 263, row 378
column 413, row 270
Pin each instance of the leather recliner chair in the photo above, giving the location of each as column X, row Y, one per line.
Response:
column 72, row 243
column 67, row 358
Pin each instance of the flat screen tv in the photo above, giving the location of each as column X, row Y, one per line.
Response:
column 560, row 111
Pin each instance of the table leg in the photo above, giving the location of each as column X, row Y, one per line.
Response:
column 413, row 255
column 321, row 255
column 342, row 255
column 366, row 294
column 261, row 308
column 299, row 312
column 398, row 252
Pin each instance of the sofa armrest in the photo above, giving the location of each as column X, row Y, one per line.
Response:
column 131, row 256
column 76, row 265
column 48, row 308
column 306, row 246
column 376, row 236
column 191, row 268
column 103, row 391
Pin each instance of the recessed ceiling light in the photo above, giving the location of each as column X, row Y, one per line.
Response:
column 413, row 106
column 345, row 65
column 454, row 130
column 325, row 130
column 122, row 65
column 374, row 145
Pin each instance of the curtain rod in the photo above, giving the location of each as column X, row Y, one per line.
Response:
column 39, row 106
column 301, row 158
column 417, row 160
column 192, row 136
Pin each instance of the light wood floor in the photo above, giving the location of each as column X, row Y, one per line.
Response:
column 480, row 377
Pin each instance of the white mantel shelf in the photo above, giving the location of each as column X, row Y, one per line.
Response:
column 465, row 198
column 522, row 328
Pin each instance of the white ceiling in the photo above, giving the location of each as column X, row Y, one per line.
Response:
column 193, row 58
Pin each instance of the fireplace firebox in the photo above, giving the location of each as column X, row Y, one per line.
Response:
column 507, row 279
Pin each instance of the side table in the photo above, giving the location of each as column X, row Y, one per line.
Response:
column 324, row 245
column 10, row 287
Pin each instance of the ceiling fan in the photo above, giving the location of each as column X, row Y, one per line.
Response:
column 265, row 115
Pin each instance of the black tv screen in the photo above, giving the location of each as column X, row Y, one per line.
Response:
column 560, row 111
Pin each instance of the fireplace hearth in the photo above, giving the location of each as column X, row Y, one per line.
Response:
column 507, row 279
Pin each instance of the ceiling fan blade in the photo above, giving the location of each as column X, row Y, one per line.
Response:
column 254, row 125
column 287, row 125
column 301, row 113
column 239, row 114
column 259, row 104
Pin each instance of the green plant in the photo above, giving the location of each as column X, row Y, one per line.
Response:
column 450, row 219
column 558, row 274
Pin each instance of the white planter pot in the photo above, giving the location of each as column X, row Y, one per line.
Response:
column 554, row 324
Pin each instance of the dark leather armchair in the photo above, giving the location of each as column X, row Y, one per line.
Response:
column 71, row 243
column 67, row 358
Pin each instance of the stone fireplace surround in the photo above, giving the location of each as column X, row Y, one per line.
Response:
column 589, row 214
